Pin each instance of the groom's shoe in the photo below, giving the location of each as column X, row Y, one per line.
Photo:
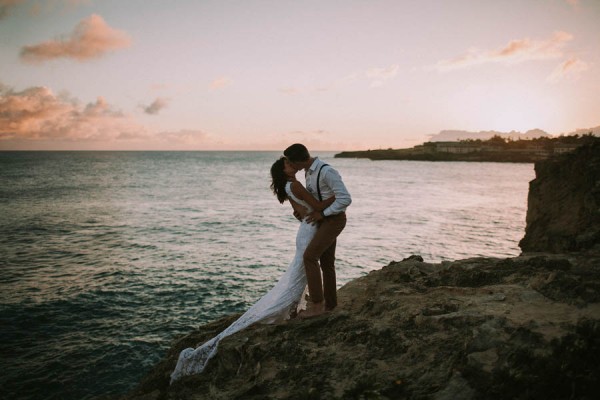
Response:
column 313, row 309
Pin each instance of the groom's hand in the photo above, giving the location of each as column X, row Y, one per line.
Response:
column 298, row 215
column 314, row 217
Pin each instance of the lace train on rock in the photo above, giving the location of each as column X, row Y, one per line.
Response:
column 276, row 305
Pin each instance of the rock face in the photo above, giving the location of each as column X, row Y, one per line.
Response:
column 484, row 328
column 563, row 211
column 527, row 327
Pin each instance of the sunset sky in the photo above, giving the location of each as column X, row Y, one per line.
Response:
column 260, row 75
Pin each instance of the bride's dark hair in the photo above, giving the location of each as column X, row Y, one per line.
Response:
column 279, row 180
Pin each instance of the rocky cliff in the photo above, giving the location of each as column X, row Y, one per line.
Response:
column 563, row 212
column 523, row 327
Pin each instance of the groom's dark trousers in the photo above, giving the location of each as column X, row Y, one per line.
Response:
column 322, row 249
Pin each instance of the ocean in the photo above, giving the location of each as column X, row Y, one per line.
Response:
column 106, row 257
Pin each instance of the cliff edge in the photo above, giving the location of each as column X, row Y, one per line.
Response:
column 563, row 210
column 522, row 327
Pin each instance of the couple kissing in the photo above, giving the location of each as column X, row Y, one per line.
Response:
column 320, row 207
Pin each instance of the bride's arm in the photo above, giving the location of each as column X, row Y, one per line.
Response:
column 299, row 210
column 303, row 194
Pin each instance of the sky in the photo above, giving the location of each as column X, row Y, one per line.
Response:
column 260, row 75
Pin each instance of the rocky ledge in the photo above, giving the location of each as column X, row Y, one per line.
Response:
column 524, row 327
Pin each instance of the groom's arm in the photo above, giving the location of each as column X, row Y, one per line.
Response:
column 333, row 179
column 342, row 197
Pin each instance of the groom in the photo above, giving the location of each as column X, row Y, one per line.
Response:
column 323, row 182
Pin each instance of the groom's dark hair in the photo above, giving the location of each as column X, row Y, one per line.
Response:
column 297, row 153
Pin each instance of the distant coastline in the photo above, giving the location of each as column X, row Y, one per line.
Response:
column 495, row 149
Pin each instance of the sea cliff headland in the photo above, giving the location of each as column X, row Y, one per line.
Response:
column 521, row 327
column 495, row 149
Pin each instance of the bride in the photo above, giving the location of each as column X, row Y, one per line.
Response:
column 283, row 301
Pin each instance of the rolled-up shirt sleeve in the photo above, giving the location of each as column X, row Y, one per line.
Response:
column 342, row 197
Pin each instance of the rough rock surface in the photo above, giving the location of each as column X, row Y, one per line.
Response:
column 526, row 327
column 563, row 211
column 484, row 328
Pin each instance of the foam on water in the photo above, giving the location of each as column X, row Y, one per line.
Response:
column 105, row 257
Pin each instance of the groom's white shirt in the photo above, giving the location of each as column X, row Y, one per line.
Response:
column 330, row 183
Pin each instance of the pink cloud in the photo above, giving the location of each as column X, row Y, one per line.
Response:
column 516, row 51
column 91, row 38
column 38, row 114
column 571, row 68
column 378, row 76
column 36, row 118
column 221, row 83
column 514, row 47
column 156, row 106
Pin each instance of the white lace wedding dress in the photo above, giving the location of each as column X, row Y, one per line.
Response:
column 277, row 304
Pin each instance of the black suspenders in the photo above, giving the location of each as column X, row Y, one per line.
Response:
column 318, row 186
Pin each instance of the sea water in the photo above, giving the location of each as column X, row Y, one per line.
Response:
column 106, row 257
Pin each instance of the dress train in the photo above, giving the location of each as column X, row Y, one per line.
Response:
column 278, row 304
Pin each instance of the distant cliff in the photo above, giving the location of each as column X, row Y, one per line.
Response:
column 494, row 149
column 524, row 327
column 563, row 210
